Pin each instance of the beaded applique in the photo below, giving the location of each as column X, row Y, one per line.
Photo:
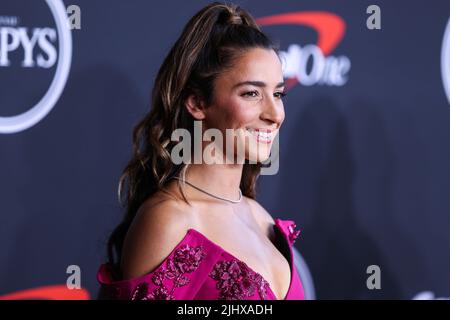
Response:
column 236, row 281
column 293, row 234
column 185, row 260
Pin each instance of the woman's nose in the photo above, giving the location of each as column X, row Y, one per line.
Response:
column 273, row 111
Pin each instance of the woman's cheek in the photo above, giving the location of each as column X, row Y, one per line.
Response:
column 245, row 114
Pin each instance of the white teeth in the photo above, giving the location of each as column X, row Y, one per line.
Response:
column 260, row 134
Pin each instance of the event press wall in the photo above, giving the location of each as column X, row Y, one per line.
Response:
column 364, row 166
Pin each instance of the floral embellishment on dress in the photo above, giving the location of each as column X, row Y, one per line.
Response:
column 293, row 234
column 141, row 293
column 185, row 260
column 236, row 281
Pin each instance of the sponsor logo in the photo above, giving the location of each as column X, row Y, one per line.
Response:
column 445, row 60
column 38, row 49
column 313, row 64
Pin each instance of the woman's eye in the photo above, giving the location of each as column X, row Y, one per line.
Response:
column 280, row 94
column 251, row 94
column 255, row 94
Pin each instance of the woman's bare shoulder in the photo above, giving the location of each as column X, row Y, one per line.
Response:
column 160, row 224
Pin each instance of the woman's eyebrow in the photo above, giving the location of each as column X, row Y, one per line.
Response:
column 257, row 84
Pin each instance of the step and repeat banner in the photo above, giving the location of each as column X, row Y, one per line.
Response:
column 364, row 149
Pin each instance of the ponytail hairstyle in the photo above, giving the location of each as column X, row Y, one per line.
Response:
column 209, row 44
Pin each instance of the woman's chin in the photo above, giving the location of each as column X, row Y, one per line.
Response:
column 258, row 158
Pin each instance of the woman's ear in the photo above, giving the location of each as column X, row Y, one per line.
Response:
column 195, row 106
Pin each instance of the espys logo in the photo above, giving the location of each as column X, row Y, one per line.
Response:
column 445, row 60
column 325, row 69
column 39, row 49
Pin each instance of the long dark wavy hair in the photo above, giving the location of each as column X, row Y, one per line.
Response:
column 209, row 44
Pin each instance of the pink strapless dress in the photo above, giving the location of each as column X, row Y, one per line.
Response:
column 199, row 269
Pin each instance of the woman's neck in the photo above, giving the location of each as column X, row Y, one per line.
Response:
column 219, row 179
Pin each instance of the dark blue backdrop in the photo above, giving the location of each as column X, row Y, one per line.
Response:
column 364, row 167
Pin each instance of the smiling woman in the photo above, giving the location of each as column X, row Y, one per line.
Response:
column 194, row 230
